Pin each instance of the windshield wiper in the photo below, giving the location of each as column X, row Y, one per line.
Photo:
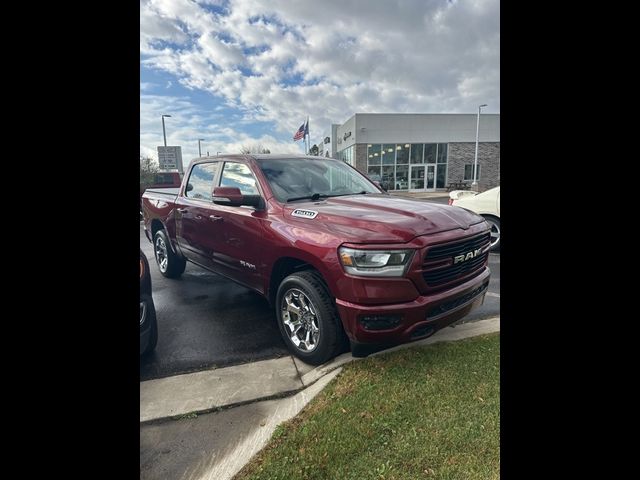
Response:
column 314, row 197
column 318, row 196
column 352, row 193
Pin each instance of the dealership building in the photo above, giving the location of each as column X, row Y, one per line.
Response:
column 420, row 152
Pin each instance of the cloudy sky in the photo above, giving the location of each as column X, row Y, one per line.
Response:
column 240, row 72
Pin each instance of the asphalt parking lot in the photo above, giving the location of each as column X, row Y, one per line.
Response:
column 205, row 320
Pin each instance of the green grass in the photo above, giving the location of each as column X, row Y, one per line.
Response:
column 428, row 412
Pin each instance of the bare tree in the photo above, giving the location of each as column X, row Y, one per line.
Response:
column 253, row 148
column 148, row 169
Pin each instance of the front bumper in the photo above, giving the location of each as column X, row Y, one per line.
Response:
column 417, row 319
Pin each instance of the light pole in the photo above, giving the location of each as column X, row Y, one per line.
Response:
column 164, row 132
column 475, row 162
column 200, row 151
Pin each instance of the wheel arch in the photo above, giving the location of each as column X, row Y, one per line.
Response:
column 285, row 266
column 157, row 225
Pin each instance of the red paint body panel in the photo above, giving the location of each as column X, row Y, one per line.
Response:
column 244, row 244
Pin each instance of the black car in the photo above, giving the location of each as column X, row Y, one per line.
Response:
column 148, row 324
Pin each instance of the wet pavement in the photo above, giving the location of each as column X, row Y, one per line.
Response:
column 206, row 321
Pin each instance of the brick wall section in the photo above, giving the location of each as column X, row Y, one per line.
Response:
column 461, row 154
column 361, row 157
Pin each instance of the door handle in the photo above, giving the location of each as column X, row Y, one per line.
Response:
column 215, row 218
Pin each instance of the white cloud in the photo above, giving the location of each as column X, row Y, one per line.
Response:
column 188, row 122
column 279, row 61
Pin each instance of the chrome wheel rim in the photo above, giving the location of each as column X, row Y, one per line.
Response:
column 495, row 233
column 300, row 320
column 143, row 312
column 161, row 254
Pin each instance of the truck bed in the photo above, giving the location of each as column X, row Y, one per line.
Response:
column 171, row 191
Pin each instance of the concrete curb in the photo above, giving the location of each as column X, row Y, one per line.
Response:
column 465, row 330
column 201, row 392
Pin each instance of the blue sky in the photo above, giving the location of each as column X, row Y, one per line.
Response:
column 239, row 73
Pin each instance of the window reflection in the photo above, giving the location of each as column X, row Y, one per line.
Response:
column 402, row 177
column 346, row 155
column 402, row 154
column 442, row 153
column 430, row 153
column 416, row 152
column 238, row 175
column 201, row 180
column 390, row 163
column 441, row 176
column 388, row 154
column 373, row 154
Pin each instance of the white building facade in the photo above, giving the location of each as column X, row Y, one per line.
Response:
column 420, row 152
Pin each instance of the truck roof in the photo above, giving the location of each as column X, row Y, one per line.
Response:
column 262, row 156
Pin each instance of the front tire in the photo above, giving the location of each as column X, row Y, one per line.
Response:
column 169, row 264
column 307, row 318
column 494, row 222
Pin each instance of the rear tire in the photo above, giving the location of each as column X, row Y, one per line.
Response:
column 169, row 264
column 306, row 293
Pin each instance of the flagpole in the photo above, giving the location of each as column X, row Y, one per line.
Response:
column 308, row 135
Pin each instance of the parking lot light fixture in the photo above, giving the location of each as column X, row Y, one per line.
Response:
column 475, row 162
column 164, row 132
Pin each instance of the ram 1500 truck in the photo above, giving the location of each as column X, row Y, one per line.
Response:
column 341, row 261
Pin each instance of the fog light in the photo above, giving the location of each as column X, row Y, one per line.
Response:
column 380, row 322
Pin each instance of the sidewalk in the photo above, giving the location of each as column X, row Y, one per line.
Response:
column 218, row 445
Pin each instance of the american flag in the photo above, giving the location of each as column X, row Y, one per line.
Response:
column 300, row 133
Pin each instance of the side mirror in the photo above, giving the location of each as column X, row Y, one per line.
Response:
column 189, row 187
column 232, row 197
column 252, row 201
column 379, row 185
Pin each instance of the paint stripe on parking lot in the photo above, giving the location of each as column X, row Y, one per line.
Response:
column 492, row 294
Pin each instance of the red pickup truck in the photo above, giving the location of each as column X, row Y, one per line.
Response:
column 339, row 259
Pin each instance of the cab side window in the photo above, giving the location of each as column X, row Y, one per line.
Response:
column 200, row 184
column 239, row 175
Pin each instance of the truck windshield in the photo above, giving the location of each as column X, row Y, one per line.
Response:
column 304, row 178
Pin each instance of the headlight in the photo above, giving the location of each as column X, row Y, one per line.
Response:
column 375, row 263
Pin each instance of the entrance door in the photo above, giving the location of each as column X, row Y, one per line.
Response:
column 416, row 178
column 431, row 178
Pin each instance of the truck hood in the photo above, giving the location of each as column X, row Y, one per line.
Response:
column 374, row 218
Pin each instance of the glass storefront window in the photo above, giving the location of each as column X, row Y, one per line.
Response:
column 416, row 152
column 373, row 170
column 441, row 177
column 388, row 154
column 373, row 154
column 442, row 153
column 346, row 155
column 388, row 176
column 391, row 163
column 430, row 153
column 402, row 154
column 402, row 177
